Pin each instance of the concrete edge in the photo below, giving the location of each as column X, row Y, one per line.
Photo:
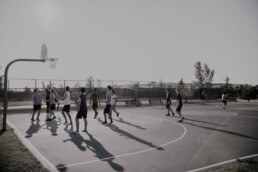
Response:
column 43, row 160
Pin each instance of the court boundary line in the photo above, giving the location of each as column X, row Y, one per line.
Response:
column 41, row 158
column 222, row 163
column 134, row 153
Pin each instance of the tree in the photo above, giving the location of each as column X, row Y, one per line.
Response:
column 187, row 92
column 99, row 83
column 203, row 74
column 227, row 88
column 89, row 82
column 246, row 92
column 181, row 85
column 135, row 85
column 161, row 84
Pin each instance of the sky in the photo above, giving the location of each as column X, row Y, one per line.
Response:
column 138, row 40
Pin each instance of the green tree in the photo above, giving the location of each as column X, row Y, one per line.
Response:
column 161, row 84
column 203, row 74
column 186, row 91
column 135, row 85
column 249, row 92
column 181, row 85
column 90, row 82
column 227, row 88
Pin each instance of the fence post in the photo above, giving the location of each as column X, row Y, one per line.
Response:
column 35, row 83
column 64, row 85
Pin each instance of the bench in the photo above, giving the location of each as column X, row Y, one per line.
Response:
column 133, row 102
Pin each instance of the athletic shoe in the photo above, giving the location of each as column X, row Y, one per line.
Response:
column 180, row 120
column 32, row 119
column 104, row 122
column 48, row 119
column 37, row 120
column 85, row 131
column 117, row 114
column 168, row 114
column 54, row 117
column 173, row 114
column 95, row 116
column 110, row 123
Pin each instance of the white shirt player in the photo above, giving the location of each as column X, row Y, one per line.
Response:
column 67, row 100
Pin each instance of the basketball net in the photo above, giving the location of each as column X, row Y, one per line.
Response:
column 52, row 62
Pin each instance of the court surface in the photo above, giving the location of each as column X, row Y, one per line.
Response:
column 143, row 139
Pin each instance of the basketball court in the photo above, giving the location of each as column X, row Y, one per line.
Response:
column 143, row 139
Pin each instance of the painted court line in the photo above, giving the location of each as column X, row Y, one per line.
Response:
column 209, row 113
column 32, row 149
column 222, row 163
column 134, row 153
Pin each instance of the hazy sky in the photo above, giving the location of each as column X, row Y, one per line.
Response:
column 144, row 40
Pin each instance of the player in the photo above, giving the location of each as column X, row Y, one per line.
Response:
column 67, row 105
column 113, row 103
column 179, row 105
column 108, row 106
column 168, row 103
column 95, row 101
column 81, row 111
column 37, row 102
column 224, row 101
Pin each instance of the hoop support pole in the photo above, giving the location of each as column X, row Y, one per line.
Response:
column 5, row 87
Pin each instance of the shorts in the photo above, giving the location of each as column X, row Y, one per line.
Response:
column 178, row 108
column 81, row 114
column 168, row 105
column 52, row 107
column 224, row 101
column 36, row 107
column 107, row 109
column 95, row 105
column 66, row 108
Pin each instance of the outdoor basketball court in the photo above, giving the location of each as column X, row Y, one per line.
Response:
column 143, row 139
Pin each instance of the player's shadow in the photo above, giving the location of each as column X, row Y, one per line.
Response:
column 61, row 167
column 131, row 136
column 221, row 130
column 194, row 120
column 128, row 123
column 52, row 126
column 34, row 128
column 102, row 153
column 75, row 139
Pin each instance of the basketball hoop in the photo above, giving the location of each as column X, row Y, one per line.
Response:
column 52, row 62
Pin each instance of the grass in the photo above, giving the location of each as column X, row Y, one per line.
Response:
column 14, row 156
column 239, row 167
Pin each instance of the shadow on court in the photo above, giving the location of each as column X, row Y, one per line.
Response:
column 93, row 145
column 131, row 136
column 188, row 119
column 221, row 130
column 52, row 126
column 128, row 123
column 104, row 155
column 33, row 129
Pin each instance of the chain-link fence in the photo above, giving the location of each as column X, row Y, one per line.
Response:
column 20, row 89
